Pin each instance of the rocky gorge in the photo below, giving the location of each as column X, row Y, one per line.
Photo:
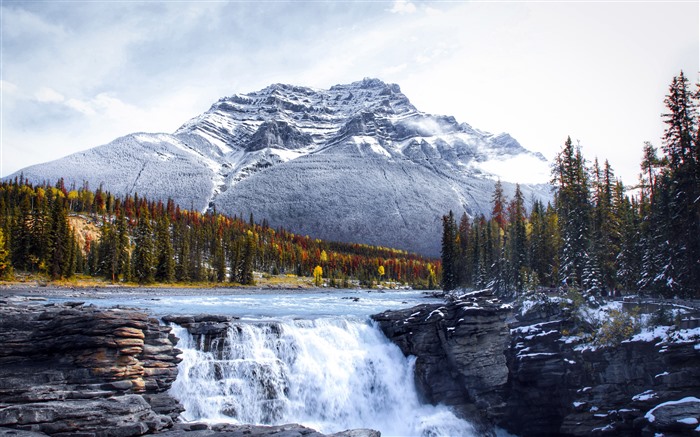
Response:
column 75, row 369
column 526, row 375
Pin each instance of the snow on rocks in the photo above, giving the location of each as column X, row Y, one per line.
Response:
column 678, row 416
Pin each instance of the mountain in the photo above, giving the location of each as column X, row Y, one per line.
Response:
column 356, row 162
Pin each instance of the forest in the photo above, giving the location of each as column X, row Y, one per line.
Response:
column 597, row 236
column 143, row 241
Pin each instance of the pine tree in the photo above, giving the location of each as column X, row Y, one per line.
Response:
column 246, row 275
column 59, row 238
column 182, row 269
column 219, row 260
column 122, row 248
column 21, row 236
column 517, row 232
column 671, row 229
column 449, row 252
column 464, row 261
column 629, row 259
column 573, row 209
column 165, row 264
column 144, row 258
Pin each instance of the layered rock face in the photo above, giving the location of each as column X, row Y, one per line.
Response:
column 67, row 369
column 558, row 387
column 528, row 378
column 460, row 351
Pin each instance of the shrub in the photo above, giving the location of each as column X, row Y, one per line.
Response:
column 618, row 327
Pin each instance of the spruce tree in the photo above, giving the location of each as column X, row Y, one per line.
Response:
column 449, row 252
column 246, row 274
column 517, row 238
column 573, row 209
column 165, row 265
column 122, row 247
column 59, row 240
column 464, row 261
column 144, row 258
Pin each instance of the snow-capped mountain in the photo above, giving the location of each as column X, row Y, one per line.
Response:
column 357, row 162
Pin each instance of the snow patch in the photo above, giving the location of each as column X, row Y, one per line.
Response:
column 650, row 414
column 645, row 396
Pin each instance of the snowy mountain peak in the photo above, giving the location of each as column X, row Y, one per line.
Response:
column 333, row 163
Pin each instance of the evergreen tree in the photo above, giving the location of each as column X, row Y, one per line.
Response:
column 165, row 264
column 21, row 236
column 573, row 209
column 219, row 260
column 144, row 259
column 449, row 252
column 182, row 267
column 60, row 241
column 122, row 248
column 246, row 274
column 681, row 150
column 108, row 260
column 517, row 233
column 464, row 263
column 629, row 259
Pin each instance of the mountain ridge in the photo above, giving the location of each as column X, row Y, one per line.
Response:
column 247, row 152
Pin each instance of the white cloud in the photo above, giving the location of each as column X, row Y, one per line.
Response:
column 7, row 88
column 403, row 7
column 48, row 95
column 514, row 67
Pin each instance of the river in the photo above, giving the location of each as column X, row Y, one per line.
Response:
column 308, row 357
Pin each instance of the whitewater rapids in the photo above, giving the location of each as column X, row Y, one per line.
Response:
column 330, row 374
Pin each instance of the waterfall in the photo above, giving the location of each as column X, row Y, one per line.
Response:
column 327, row 374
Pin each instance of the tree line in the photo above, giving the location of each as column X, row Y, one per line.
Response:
column 145, row 241
column 597, row 235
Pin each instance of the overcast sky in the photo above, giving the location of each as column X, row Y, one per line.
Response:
column 78, row 74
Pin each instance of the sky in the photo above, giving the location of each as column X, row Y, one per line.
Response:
column 78, row 74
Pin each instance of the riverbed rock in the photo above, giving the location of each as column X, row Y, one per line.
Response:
column 207, row 330
column 228, row 430
column 67, row 369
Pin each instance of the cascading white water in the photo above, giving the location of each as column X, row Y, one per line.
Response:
column 328, row 374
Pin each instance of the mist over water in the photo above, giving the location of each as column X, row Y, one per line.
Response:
column 328, row 374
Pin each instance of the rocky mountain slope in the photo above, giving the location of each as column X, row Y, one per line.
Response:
column 357, row 162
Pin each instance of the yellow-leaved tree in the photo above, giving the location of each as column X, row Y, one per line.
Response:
column 5, row 267
column 318, row 276
column 380, row 271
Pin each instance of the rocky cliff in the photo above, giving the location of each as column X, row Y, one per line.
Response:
column 69, row 368
column 527, row 377
column 460, row 350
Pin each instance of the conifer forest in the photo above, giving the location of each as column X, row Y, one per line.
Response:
column 142, row 241
column 598, row 235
